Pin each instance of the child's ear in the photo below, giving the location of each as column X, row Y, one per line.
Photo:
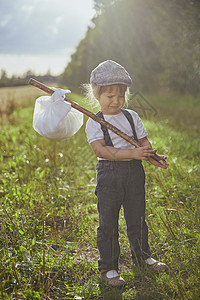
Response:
column 97, row 96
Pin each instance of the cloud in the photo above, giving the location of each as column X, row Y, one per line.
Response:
column 42, row 26
column 27, row 9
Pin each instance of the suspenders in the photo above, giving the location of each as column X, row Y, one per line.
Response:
column 105, row 129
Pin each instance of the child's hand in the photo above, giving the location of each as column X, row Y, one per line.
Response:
column 163, row 165
column 143, row 153
column 144, row 142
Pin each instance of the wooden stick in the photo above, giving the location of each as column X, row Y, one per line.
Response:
column 94, row 117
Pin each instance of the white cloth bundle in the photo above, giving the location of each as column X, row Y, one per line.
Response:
column 54, row 118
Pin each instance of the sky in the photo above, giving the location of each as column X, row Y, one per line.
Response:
column 41, row 35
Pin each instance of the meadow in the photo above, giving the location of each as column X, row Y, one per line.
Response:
column 48, row 208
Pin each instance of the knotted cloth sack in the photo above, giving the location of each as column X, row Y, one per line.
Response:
column 55, row 118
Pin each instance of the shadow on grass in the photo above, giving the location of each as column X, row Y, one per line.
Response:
column 109, row 292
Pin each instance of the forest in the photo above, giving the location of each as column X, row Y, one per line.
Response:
column 20, row 80
column 157, row 41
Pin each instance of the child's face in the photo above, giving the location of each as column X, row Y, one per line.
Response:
column 112, row 100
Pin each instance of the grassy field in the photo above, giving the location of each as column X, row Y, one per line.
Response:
column 48, row 208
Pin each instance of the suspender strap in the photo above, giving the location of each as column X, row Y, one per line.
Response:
column 107, row 137
column 130, row 119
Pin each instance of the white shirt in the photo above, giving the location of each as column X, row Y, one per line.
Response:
column 94, row 132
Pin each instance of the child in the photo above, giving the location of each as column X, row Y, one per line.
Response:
column 120, row 174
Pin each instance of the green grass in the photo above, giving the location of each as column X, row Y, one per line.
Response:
column 49, row 218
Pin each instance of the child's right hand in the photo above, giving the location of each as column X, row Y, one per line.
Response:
column 143, row 153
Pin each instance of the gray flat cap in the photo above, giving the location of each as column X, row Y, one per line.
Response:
column 109, row 72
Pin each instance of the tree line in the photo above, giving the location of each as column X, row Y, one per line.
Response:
column 14, row 80
column 157, row 41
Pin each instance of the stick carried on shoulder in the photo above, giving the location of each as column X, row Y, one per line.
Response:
column 93, row 116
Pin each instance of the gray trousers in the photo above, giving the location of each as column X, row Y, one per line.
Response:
column 121, row 183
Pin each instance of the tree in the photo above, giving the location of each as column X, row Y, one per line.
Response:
column 157, row 41
column 100, row 5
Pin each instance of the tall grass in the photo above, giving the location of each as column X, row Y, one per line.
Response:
column 49, row 218
column 12, row 98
